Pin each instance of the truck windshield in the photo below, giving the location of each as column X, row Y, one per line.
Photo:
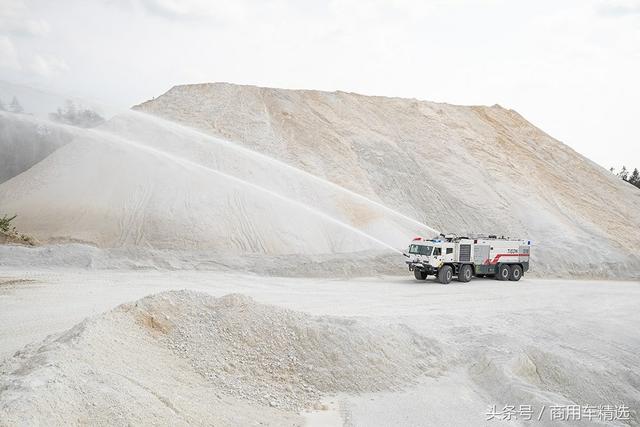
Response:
column 420, row 250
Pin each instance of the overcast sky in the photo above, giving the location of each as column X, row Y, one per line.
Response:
column 570, row 67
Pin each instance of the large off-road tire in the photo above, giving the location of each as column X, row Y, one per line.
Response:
column 465, row 273
column 504, row 272
column 445, row 274
column 419, row 274
column 516, row 273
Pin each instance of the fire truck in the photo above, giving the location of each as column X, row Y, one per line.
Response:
column 449, row 256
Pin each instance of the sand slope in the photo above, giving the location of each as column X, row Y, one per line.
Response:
column 185, row 357
column 456, row 168
column 395, row 351
column 243, row 170
column 143, row 182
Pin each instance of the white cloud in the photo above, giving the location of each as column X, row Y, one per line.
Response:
column 18, row 27
column 8, row 54
column 568, row 66
column 15, row 20
column 46, row 65
column 192, row 10
column 619, row 7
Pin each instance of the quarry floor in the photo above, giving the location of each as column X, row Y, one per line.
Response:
column 534, row 342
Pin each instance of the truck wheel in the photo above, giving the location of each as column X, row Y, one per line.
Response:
column 445, row 274
column 465, row 273
column 419, row 274
column 504, row 272
column 516, row 273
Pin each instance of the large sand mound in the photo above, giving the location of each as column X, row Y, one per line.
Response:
column 184, row 357
column 187, row 357
column 324, row 173
column 456, row 168
column 140, row 181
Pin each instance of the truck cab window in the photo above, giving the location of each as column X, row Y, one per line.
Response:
column 420, row 250
column 449, row 251
column 437, row 251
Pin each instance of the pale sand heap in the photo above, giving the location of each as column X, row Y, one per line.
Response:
column 351, row 174
column 393, row 351
column 189, row 357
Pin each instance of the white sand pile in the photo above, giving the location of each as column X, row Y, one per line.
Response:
column 456, row 168
column 143, row 182
column 187, row 357
column 542, row 377
column 73, row 255
column 367, row 169
column 280, row 357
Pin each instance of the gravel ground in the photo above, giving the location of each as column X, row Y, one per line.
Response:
column 535, row 342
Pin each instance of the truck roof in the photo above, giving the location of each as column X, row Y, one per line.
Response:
column 453, row 238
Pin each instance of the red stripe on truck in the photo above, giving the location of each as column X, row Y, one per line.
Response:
column 498, row 256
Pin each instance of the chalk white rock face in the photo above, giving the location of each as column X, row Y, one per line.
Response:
column 461, row 169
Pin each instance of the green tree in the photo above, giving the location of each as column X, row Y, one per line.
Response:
column 632, row 178
column 74, row 115
column 15, row 106
column 5, row 223
column 624, row 173
column 635, row 178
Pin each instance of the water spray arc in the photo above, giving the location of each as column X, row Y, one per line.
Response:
column 278, row 163
column 161, row 138
column 194, row 165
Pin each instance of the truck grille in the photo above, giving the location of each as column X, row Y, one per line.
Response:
column 465, row 253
